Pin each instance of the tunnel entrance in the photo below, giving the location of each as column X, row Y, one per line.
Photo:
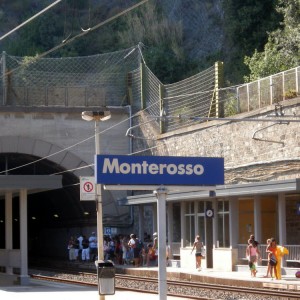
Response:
column 49, row 211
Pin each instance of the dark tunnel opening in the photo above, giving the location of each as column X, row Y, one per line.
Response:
column 49, row 210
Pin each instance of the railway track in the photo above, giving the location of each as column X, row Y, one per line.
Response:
column 188, row 290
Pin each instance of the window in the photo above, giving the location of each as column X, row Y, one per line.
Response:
column 189, row 224
column 223, row 223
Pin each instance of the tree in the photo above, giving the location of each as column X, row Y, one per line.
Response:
column 246, row 23
column 282, row 51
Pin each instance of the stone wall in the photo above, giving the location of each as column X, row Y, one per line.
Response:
column 253, row 151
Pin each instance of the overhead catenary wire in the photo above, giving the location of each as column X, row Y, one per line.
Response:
column 29, row 20
column 68, row 41
column 149, row 148
column 69, row 147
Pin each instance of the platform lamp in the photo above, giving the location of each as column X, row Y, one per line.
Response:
column 97, row 116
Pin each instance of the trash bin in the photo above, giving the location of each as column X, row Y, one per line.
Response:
column 106, row 277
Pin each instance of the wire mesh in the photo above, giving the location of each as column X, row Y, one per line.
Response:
column 72, row 81
column 191, row 97
column 118, row 78
column 152, row 92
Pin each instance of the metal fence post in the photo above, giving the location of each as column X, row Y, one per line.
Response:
column 4, row 78
column 297, row 79
column 219, row 80
column 143, row 101
column 161, row 108
column 271, row 90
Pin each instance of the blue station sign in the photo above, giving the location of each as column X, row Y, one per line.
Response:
column 158, row 170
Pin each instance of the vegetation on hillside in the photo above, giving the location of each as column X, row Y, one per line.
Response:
column 282, row 51
column 261, row 37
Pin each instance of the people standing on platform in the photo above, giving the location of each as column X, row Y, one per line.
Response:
column 269, row 266
column 198, row 245
column 85, row 254
column 76, row 247
column 152, row 251
column 252, row 254
column 71, row 249
column 280, row 252
column 134, row 249
column 80, row 238
column 93, row 246
column 125, row 251
column 155, row 243
column 272, row 259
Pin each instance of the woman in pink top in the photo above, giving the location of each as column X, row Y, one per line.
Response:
column 252, row 254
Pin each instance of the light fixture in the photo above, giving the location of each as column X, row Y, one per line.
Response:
column 55, row 215
column 33, row 218
column 102, row 115
column 86, row 213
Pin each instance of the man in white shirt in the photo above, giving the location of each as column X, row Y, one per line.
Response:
column 93, row 246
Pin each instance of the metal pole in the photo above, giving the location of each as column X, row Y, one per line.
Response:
column 4, row 99
column 99, row 205
column 161, row 194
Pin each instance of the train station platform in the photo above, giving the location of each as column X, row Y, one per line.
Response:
column 46, row 290
column 240, row 278
column 40, row 289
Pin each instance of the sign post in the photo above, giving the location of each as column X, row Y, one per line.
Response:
column 161, row 175
column 87, row 188
column 161, row 194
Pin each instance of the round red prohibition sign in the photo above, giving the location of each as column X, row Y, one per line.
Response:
column 88, row 187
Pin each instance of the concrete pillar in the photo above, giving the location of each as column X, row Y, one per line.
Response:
column 215, row 223
column 282, row 223
column 161, row 194
column 170, row 225
column 233, row 221
column 8, row 227
column 141, row 223
column 154, row 210
column 182, row 224
column 24, row 278
column 257, row 218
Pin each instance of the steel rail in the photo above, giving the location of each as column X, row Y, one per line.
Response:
column 175, row 288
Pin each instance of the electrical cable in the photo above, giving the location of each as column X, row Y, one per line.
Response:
column 68, row 41
column 65, row 26
column 30, row 19
column 69, row 147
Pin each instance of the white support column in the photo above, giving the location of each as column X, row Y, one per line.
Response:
column 141, row 223
column 170, row 226
column 257, row 218
column 233, row 221
column 161, row 194
column 154, row 211
column 182, row 224
column 24, row 278
column 282, row 223
column 8, row 227
column 215, row 223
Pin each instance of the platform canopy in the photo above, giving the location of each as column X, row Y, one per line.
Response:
column 32, row 183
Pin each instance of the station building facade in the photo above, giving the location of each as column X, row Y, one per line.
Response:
column 261, row 194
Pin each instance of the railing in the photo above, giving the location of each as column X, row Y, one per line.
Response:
column 293, row 256
column 269, row 90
